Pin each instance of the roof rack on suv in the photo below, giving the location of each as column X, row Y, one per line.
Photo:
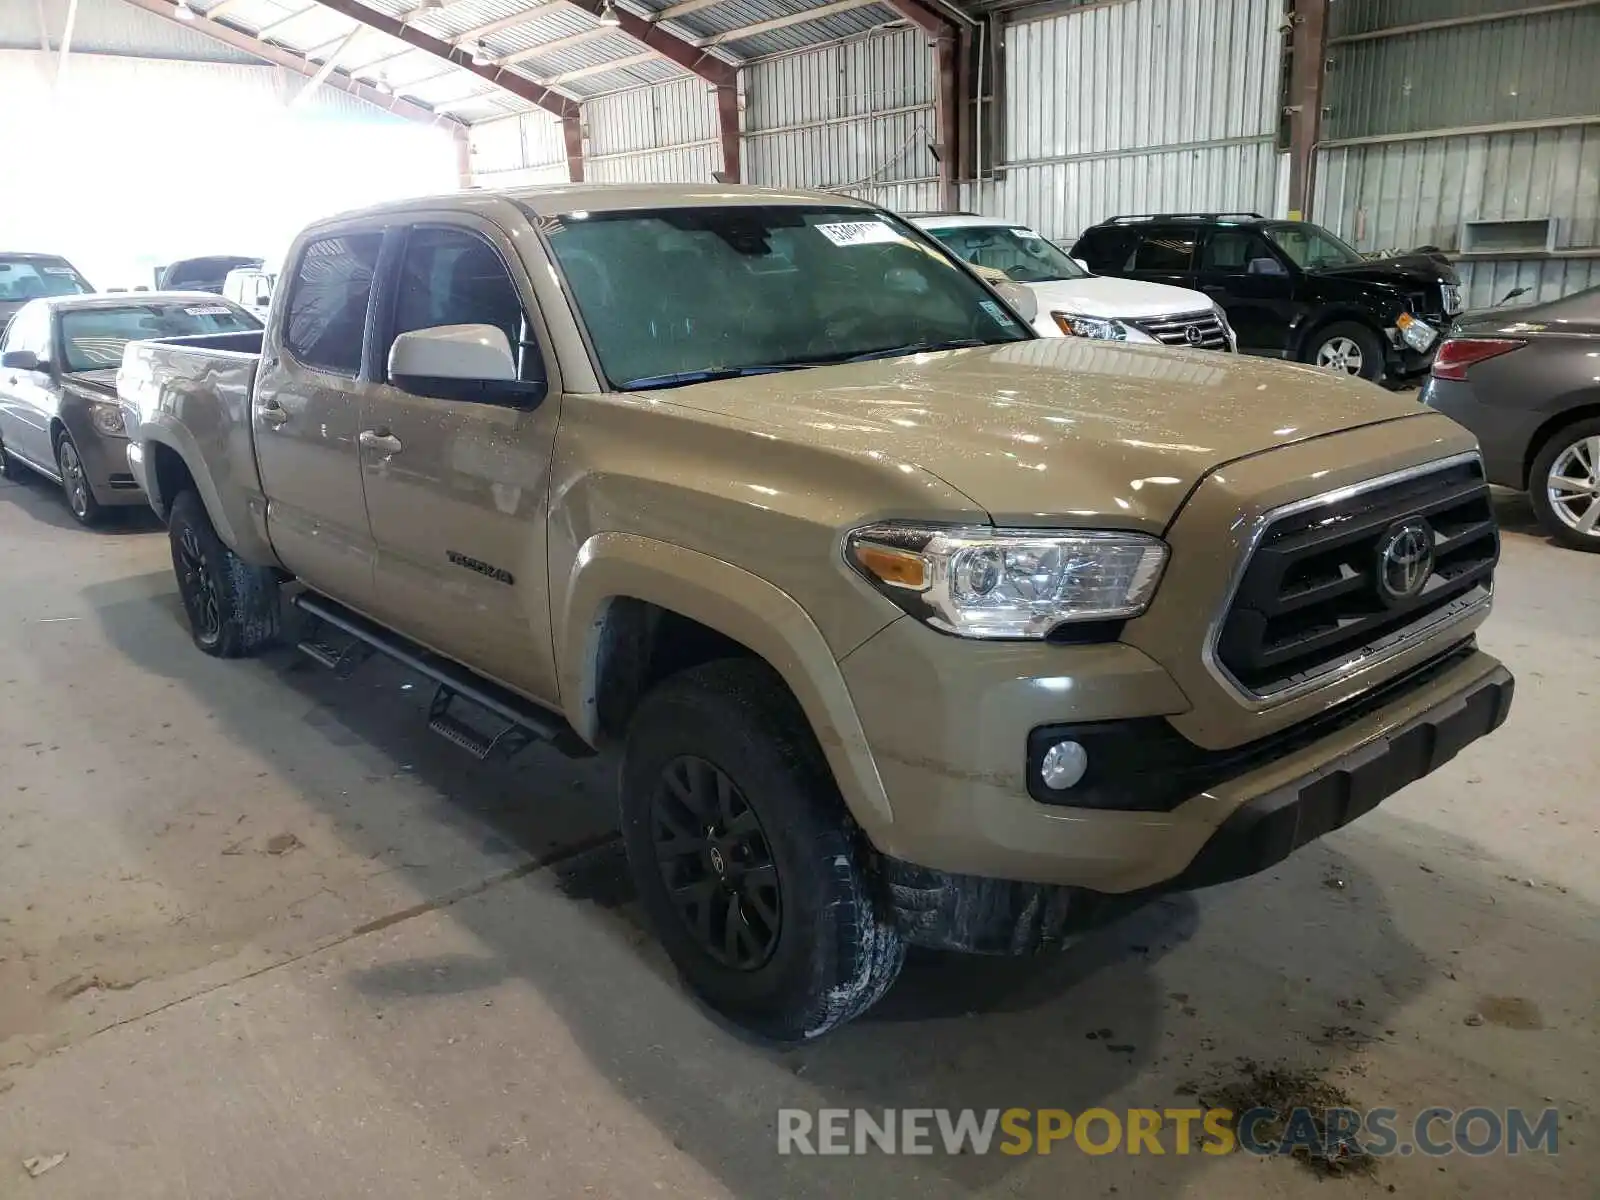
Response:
column 942, row 212
column 1129, row 218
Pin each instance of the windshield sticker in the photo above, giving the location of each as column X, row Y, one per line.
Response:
column 998, row 313
column 58, row 270
column 1022, row 232
column 208, row 310
column 857, row 233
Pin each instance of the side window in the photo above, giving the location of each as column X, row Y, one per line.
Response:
column 1231, row 251
column 450, row 276
column 328, row 296
column 30, row 330
column 1104, row 248
column 1164, row 250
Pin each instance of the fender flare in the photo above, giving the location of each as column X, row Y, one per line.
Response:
column 238, row 528
column 738, row 605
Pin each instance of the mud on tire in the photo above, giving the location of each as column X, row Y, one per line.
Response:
column 232, row 606
column 831, row 956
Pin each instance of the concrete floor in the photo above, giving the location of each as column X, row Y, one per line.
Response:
column 262, row 935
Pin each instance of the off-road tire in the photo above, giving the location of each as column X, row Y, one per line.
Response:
column 1554, row 447
column 1373, row 365
column 834, row 956
column 233, row 607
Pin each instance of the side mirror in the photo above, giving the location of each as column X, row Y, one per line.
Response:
column 21, row 360
column 1084, row 265
column 461, row 362
column 1018, row 296
column 1265, row 266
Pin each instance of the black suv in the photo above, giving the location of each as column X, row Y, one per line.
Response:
column 1291, row 289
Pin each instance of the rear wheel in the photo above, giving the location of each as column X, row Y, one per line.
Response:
column 232, row 606
column 1564, row 485
column 1347, row 348
column 81, row 503
column 745, row 859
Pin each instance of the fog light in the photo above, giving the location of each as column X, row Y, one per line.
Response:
column 1063, row 766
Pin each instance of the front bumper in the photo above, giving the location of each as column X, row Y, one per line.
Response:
column 105, row 464
column 1265, row 814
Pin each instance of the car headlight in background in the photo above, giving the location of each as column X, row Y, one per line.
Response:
column 1416, row 333
column 1103, row 328
column 1002, row 583
column 107, row 418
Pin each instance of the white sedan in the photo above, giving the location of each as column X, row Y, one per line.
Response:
column 1074, row 303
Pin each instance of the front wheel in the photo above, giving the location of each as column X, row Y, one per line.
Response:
column 745, row 859
column 1347, row 348
column 232, row 606
column 81, row 503
column 1564, row 486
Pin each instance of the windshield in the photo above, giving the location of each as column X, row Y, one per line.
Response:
column 1312, row 247
column 674, row 296
column 30, row 278
column 1015, row 249
column 92, row 338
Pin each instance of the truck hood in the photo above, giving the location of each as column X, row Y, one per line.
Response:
column 1106, row 296
column 1055, row 431
column 1406, row 271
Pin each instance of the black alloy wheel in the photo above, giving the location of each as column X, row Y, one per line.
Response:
column 197, row 584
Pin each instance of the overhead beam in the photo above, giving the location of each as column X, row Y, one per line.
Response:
column 534, row 93
column 561, row 43
column 798, row 18
column 278, row 56
column 488, row 27
column 615, row 64
column 272, row 27
column 682, row 9
column 1308, row 60
column 221, row 7
column 328, row 67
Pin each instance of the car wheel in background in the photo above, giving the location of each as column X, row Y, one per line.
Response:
column 232, row 607
column 745, row 857
column 1347, row 348
column 8, row 470
column 1564, row 485
column 75, row 481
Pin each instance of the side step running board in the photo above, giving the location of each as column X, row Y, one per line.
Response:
column 524, row 722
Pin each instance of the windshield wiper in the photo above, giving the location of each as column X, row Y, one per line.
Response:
column 923, row 347
column 683, row 378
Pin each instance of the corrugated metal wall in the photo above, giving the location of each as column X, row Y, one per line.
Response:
column 518, row 150
column 1400, row 173
column 855, row 117
column 1149, row 105
column 661, row 134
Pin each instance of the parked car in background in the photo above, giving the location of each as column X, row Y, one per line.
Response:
column 250, row 288
column 58, row 398
column 1071, row 301
column 200, row 274
column 1527, row 382
column 1291, row 289
column 25, row 277
column 772, row 495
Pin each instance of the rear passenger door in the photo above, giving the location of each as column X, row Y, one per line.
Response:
column 1163, row 254
column 26, row 403
column 306, row 415
column 457, row 490
column 1239, row 270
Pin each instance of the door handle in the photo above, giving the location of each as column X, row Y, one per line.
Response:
column 272, row 413
column 1213, row 287
column 381, row 439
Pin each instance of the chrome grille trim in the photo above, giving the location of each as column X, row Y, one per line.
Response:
column 1171, row 330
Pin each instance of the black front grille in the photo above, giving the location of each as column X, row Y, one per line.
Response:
column 1309, row 600
column 1174, row 331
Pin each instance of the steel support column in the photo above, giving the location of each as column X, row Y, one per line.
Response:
column 950, row 56
column 728, row 128
column 572, row 134
column 1308, row 60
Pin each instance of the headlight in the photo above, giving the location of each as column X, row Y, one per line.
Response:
column 1103, row 328
column 107, row 418
column 1000, row 583
column 1418, row 334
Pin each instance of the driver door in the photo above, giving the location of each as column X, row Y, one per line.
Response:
column 1241, row 272
column 457, row 490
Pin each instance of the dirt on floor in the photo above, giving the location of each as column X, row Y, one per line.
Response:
column 262, row 935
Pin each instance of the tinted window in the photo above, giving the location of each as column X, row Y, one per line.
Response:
column 92, row 338
column 452, row 277
column 29, row 278
column 1164, row 250
column 328, row 301
column 1231, row 251
column 1104, row 248
column 678, row 292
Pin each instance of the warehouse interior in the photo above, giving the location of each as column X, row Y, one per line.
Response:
column 262, row 935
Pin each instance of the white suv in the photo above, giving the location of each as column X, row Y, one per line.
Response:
column 1074, row 303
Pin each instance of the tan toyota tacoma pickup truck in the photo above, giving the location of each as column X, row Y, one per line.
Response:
column 910, row 626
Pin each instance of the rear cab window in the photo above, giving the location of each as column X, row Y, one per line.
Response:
column 92, row 339
column 326, row 316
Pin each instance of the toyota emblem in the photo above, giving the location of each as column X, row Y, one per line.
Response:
column 1194, row 335
column 1405, row 560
